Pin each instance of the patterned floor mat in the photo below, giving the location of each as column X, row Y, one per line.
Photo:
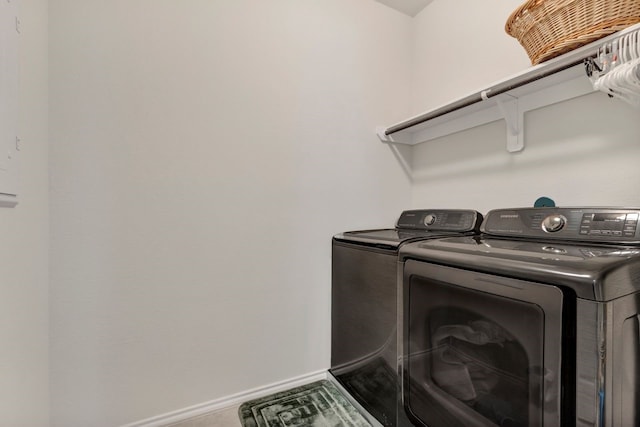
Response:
column 375, row 386
column 319, row 404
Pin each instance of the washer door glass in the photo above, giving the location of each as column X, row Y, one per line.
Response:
column 474, row 350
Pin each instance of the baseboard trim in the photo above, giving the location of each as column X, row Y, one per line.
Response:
column 225, row 402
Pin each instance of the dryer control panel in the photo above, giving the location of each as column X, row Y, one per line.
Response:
column 581, row 224
column 459, row 220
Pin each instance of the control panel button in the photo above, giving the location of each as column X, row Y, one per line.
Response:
column 553, row 223
column 430, row 219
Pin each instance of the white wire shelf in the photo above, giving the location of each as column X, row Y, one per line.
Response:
column 554, row 81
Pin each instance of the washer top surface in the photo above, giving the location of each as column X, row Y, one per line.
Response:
column 594, row 251
column 392, row 237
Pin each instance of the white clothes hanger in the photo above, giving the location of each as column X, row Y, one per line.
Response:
column 619, row 74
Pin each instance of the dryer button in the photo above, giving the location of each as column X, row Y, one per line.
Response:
column 553, row 223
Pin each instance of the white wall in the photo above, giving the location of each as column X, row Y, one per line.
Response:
column 579, row 152
column 461, row 47
column 203, row 153
column 24, row 364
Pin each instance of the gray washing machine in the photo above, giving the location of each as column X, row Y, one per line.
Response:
column 364, row 355
column 536, row 322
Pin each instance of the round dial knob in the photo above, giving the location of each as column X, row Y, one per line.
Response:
column 553, row 223
column 429, row 219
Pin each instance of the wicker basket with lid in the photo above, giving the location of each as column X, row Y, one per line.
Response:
column 548, row 28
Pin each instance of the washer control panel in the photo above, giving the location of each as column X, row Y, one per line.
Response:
column 583, row 224
column 609, row 224
column 440, row 220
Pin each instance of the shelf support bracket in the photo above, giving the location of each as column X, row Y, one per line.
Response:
column 389, row 139
column 510, row 110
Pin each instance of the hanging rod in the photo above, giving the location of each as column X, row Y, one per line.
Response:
column 531, row 75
